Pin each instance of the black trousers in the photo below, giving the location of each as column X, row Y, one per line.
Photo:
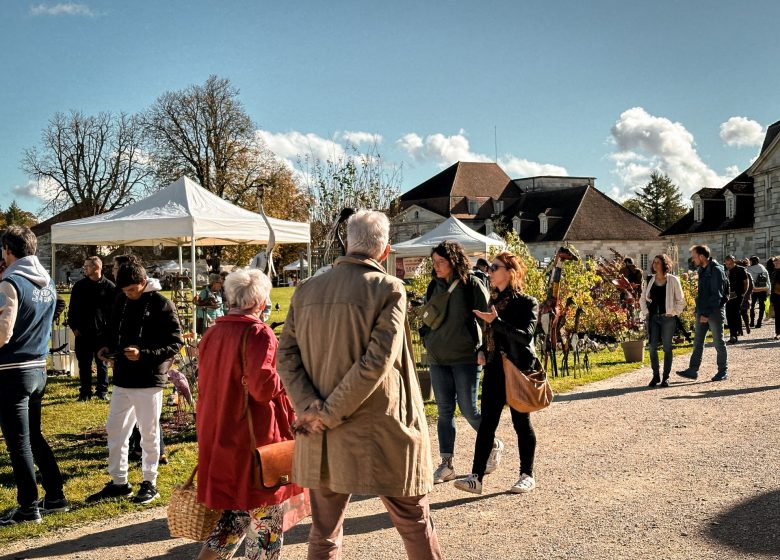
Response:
column 86, row 353
column 493, row 401
column 760, row 298
column 21, row 392
column 733, row 318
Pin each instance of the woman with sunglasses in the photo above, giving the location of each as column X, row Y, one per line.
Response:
column 511, row 323
column 662, row 301
column 452, row 347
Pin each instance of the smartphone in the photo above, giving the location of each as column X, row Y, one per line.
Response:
column 112, row 355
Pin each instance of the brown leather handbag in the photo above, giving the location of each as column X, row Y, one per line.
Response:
column 271, row 463
column 526, row 391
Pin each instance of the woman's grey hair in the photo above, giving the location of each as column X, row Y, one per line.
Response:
column 247, row 288
column 368, row 233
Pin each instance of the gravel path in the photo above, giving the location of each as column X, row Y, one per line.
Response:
column 623, row 471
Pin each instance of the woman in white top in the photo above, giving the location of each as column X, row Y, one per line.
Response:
column 662, row 301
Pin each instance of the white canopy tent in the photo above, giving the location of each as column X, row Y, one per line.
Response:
column 295, row 266
column 181, row 214
column 452, row 229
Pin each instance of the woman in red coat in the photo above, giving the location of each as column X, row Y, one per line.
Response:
column 225, row 475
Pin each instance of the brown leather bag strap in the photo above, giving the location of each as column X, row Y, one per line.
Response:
column 247, row 408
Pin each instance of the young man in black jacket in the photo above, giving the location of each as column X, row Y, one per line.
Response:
column 90, row 307
column 143, row 337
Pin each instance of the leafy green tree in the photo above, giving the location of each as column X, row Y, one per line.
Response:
column 660, row 201
column 355, row 179
column 15, row 216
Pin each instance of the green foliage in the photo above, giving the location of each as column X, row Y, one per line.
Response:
column 422, row 277
column 15, row 216
column 660, row 202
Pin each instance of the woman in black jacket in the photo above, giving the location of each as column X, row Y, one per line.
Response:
column 511, row 323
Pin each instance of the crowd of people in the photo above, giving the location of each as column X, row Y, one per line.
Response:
column 341, row 380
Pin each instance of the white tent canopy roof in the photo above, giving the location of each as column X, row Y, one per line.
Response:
column 174, row 216
column 296, row 265
column 452, row 229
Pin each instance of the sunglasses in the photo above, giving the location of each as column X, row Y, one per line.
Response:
column 494, row 267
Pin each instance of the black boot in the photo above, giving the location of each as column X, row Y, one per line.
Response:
column 665, row 382
column 654, row 381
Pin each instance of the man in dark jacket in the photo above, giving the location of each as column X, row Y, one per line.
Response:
column 738, row 283
column 143, row 337
column 90, row 307
column 27, row 300
column 710, row 312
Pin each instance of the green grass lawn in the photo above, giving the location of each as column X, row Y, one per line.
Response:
column 76, row 433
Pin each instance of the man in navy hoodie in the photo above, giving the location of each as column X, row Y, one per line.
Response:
column 710, row 313
column 27, row 301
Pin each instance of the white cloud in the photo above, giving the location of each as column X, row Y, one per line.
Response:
column 741, row 131
column 41, row 191
column 358, row 137
column 446, row 150
column 62, row 9
column 290, row 146
column 646, row 143
column 732, row 171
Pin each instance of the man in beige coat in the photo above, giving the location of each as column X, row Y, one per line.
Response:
column 346, row 360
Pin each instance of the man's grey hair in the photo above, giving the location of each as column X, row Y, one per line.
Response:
column 368, row 233
column 247, row 288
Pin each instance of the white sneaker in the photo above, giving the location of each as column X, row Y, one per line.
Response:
column 469, row 484
column 523, row 485
column 444, row 472
column 495, row 456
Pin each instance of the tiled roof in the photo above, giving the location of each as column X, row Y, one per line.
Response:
column 714, row 210
column 464, row 178
column 771, row 134
column 577, row 214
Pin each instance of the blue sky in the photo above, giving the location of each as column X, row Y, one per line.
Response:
column 610, row 89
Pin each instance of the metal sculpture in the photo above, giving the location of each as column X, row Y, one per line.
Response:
column 264, row 259
column 550, row 311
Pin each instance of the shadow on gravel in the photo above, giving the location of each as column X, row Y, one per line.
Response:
column 754, row 345
column 751, row 527
column 724, row 393
column 603, row 393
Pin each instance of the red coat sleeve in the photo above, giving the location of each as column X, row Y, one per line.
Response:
column 263, row 381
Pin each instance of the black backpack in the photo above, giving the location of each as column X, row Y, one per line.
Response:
column 726, row 290
column 762, row 280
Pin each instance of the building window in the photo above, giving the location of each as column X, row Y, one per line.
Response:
column 768, row 196
column 542, row 223
column 416, row 215
column 498, row 206
column 473, row 206
column 488, row 227
column 643, row 261
column 730, row 204
column 697, row 211
column 516, row 224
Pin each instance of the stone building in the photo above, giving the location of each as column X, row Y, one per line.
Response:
column 546, row 212
column 742, row 217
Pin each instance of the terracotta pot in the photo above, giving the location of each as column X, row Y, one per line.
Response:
column 634, row 351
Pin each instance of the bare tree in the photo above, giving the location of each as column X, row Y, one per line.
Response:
column 353, row 179
column 203, row 131
column 92, row 162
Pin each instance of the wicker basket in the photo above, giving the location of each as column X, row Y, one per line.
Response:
column 187, row 518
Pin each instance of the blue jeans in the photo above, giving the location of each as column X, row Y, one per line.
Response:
column 661, row 330
column 457, row 383
column 714, row 324
column 21, row 392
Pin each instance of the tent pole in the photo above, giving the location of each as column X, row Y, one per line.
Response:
column 54, row 264
column 308, row 265
column 181, row 261
column 194, row 279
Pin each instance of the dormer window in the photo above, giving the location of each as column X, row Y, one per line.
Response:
column 498, row 206
column 488, row 226
column 473, row 206
column 730, row 204
column 516, row 224
column 416, row 215
column 698, row 209
column 543, row 223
